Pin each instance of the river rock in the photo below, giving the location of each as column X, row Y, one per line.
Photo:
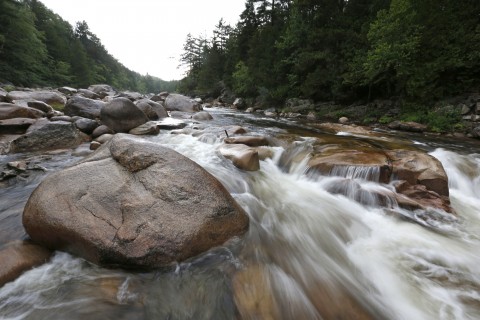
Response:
column 94, row 145
column 152, row 110
column 133, row 96
column 3, row 95
column 67, row 90
column 369, row 165
column 102, row 90
column 133, row 203
column 86, row 125
column 121, row 115
column 40, row 105
column 62, row 118
column 50, row 97
column 104, row 138
column 50, row 136
column 88, row 94
column 239, row 103
column 202, row 116
column 149, row 128
column 16, row 125
column 83, row 107
column 343, row 120
column 101, row 130
column 407, row 126
column 10, row 111
column 476, row 132
column 242, row 156
column 421, row 197
column 18, row 257
column 417, row 167
column 251, row 141
column 178, row 102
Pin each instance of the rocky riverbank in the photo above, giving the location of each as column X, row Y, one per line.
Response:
column 135, row 204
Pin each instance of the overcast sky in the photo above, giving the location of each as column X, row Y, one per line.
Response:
column 147, row 36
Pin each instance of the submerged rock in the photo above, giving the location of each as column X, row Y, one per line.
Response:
column 133, row 204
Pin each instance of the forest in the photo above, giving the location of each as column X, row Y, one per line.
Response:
column 39, row 48
column 339, row 50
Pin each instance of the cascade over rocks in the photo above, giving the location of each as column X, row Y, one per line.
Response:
column 242, row 156
column 83, row 107
column 133, row 204
column 178, row 102
column 122, row 115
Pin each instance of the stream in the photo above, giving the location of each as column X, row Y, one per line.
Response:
column 309, row 253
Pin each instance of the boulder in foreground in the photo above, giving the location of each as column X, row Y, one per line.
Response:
column 133, row 204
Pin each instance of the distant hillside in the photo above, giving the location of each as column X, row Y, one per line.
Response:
column 39, row 48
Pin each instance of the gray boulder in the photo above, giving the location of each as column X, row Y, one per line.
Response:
column 149, row 128
column 102, row 90
column 50, row 97
column 122, row 115
column 202, row 116
column 10, row 111
column 101, row 130
column 40, row 105
column 83, row 107
column 67, row 90
column 152, row 109
column 86, row 125
column 133, row 96
column 178, row 102
column 49, row 136
column 88, row 94
column 133, row 204
column 476, row 132
column 3, row 95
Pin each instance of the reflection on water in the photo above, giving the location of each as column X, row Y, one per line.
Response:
column 318, row 247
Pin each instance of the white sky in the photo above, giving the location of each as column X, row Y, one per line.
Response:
column 147, row 36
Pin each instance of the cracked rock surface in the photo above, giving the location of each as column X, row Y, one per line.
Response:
column 133, row 204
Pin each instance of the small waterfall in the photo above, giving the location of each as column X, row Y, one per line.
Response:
column 357, row 172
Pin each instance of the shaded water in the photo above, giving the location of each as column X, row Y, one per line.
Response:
column 318, row 246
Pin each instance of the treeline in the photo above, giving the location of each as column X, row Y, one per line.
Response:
column 355, row 50
column 39, row 48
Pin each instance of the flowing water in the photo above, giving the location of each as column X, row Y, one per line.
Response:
column 318, row 246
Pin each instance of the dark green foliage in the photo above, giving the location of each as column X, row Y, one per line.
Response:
column 37, row 47
column 334, row 50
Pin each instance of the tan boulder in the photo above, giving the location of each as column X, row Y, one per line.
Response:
column 242, row 156
column 251, row 141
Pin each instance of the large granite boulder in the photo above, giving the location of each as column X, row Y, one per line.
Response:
column 83, row 107
column 11, row 111
column 178, row 102
column 86, row 125
column 152, row 109
column 122, row 115
column 50, row 97
column 48, row 136
column 102, row 90
column 133, row 203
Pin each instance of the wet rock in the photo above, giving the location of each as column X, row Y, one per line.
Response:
column 50, row 136
column 16, row 125
column 121, row 115
column 417, row 167
column 202, row 116
column 178, row 102
column 101, row 130
column 83, row 107
column 407, row 126
column 149, row 128
column 239, row 103
column 18, row 165
column 50, row 97
column 369, row 165
column 18, row 257
column 11, row 111
column 86, row 125
column 152, row 110
column 242, row 156
column 251, row 141
column 133, row 204
column 250, row 110
column 338, row 127
column 422, row 197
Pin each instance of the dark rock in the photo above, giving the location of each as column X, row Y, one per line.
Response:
column 18, row 257
column 152, row 110
column 50, row 136
column 40, row 105
column 94, row 145
column 11, row 111
column 177, row 102
column 133, row 204
column 83, row 107
column 101, row 130
column 3, row 95
column 86, row 125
